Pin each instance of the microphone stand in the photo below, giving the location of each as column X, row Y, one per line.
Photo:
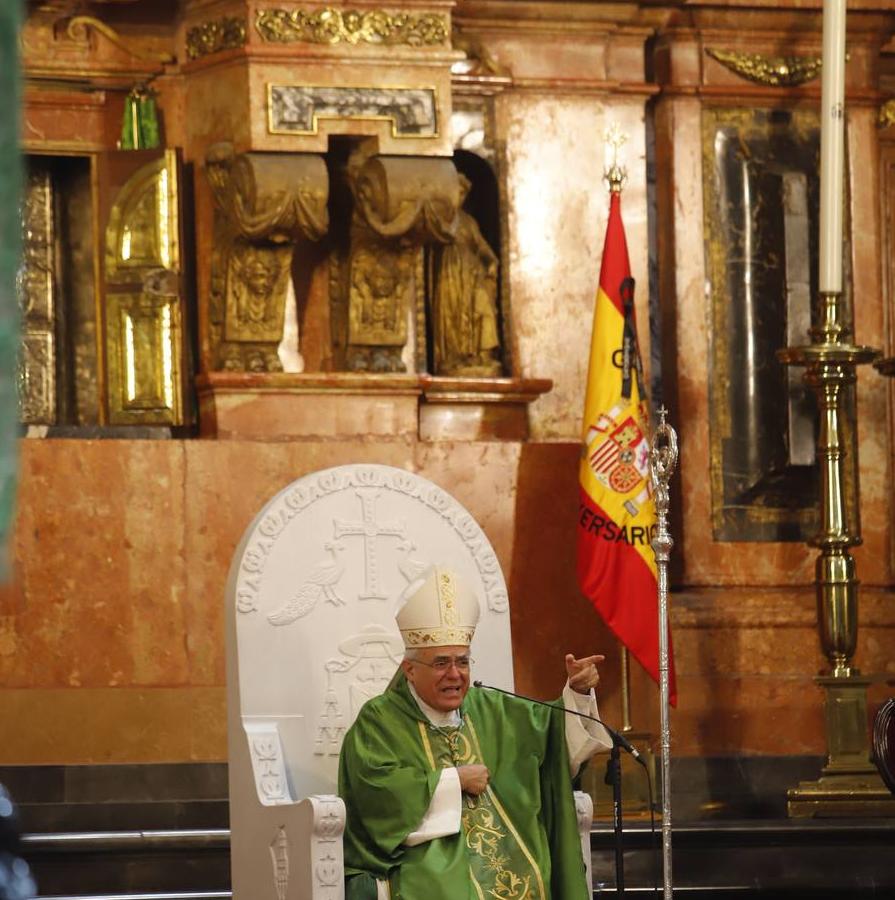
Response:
column 613, row 773
column 614, row 777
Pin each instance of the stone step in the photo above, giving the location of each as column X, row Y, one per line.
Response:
column 54, row 817
column 103, row 863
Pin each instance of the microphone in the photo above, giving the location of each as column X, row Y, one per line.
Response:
column 618, row 739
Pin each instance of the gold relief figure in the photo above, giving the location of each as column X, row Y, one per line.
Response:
column 265, row 205
column 258, row 283
column 377, row 311
column 400, row 206
column 464, row 313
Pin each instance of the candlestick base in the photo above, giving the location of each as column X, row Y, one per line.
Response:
column 829, row 354
column 849, row 784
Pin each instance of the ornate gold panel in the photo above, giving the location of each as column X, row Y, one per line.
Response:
column 227, row 33
column 772, row 71
column 36, row 379
column 145, row 334
column 350, row 26
column 36, row 295
column 258, row 282
column 381, row 283
column 143, row 316
column 143, row 225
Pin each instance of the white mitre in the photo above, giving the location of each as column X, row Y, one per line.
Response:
column 439, row 610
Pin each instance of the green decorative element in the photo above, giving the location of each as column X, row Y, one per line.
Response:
column 140, row 130
column 10, row 242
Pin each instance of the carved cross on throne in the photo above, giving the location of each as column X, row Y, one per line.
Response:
column 369, row 529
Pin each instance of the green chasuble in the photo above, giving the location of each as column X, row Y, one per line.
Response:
column 519, row 839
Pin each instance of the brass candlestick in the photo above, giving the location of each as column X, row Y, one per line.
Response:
column 849, row 784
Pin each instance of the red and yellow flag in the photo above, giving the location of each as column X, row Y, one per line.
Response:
column 617, row 516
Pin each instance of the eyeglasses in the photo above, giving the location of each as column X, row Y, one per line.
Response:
column 443, row 663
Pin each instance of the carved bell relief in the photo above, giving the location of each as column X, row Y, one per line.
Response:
column 265, row 205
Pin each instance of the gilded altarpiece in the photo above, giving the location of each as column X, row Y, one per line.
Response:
column 143, row 291
column 761, row 196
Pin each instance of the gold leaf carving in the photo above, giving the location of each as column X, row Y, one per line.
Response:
column 212, row 37
column 886, row 114
column 335, row 26
column 773, row 71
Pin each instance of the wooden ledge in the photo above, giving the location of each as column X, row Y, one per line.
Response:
column 324, row 405
column 477, row 409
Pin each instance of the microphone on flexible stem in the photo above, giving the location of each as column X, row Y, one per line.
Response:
column 618, row 739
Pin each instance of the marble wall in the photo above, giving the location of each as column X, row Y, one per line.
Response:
column 111, row 633
column 111, row 637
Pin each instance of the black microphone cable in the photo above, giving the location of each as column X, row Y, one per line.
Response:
column 619, row 739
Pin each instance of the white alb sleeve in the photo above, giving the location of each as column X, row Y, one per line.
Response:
column 443, row 815
column 583, row 737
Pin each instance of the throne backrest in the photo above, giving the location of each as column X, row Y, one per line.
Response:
column 310, row 616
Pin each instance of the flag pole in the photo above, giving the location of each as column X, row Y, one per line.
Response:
column 616, row 175
column 626, row 691
column 663, row 458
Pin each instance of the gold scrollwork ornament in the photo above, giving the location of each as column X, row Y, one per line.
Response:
column 772, row 71
column 886, row 114
column 227, row 33
column 335, row 26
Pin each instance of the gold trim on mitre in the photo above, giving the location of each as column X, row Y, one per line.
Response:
column 439, row 610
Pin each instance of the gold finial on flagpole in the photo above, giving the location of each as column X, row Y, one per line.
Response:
column 615, row 172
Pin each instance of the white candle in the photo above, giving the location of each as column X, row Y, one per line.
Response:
column 832, row 133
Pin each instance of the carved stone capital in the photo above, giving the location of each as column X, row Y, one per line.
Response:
column 268, row 196
column 265, row 203
column 408, row 197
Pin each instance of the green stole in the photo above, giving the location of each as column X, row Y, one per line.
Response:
column 519, row 839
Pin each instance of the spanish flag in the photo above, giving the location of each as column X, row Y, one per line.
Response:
column 616, row 515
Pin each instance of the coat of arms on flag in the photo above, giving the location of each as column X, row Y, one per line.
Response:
column 617, row 516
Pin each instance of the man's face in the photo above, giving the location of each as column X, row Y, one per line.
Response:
column 439, row 676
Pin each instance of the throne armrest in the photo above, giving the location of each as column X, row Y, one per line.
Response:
column 324, row 876
column 584, row 807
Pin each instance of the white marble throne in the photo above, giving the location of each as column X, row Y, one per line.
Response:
column 311, row 635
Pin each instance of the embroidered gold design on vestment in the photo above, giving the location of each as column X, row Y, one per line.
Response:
column 498, row 858
column 447, row 595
